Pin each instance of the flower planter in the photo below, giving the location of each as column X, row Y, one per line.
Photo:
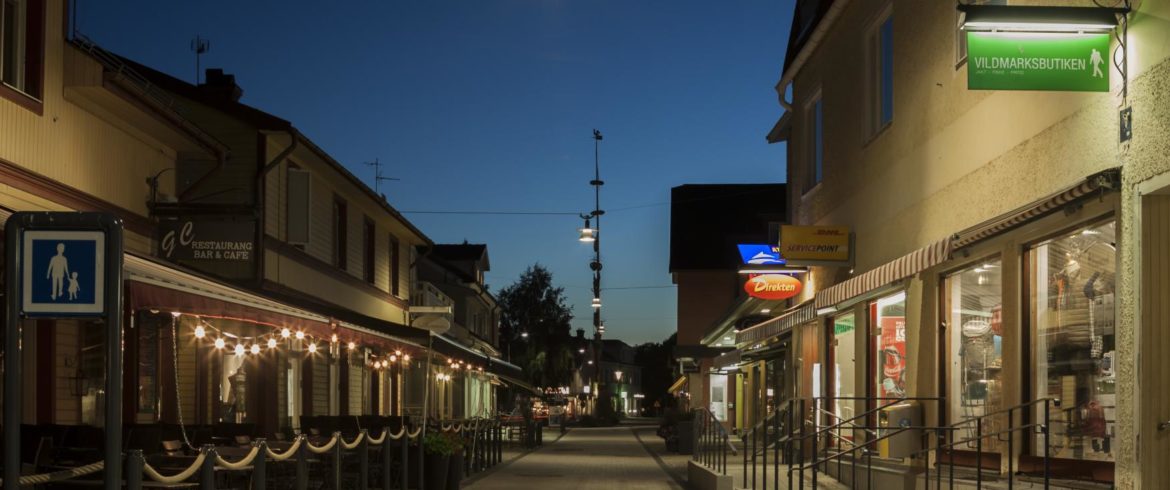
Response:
column 455, row 471
column 436, row 467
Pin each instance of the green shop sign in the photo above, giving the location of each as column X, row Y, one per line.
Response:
column 1028, row 61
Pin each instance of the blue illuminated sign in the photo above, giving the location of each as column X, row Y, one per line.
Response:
column 63, row 272
column 757, row 254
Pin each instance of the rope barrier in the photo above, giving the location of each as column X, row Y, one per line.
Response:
column 241, row 464
column 61, row 474
column 379, row 440
column 290, row 452
column 177, row 478
column 401, row 432
column 414, row 435
column 351, row 445
column 327, row 447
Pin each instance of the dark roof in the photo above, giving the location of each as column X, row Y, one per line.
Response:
column 708, row 220
column 460, row 251
column 805, row 17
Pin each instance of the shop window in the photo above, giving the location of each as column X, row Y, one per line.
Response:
column 889, row 322
column 844, row 366
column 974, row 343
column 719, row 396
column 1073, row 315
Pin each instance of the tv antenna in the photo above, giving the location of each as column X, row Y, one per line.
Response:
column 378, row 178
column 199, row 46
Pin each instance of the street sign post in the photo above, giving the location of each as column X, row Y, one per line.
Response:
column 63, row 264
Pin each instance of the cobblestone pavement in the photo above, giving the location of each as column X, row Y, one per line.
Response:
column 590, row 458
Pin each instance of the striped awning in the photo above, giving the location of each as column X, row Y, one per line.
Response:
column 1099, row 182
column 679, row 384
column 796, row 315
column 900, row 268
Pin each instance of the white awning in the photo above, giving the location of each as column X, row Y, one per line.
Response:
column 897, row 269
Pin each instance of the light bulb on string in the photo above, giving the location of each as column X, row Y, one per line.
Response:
column 239, row 349
column 220, row 344
column 300, row 335
column 313, row 348
column 255, row 349
column 200, row 332
column 393, row 358
column 352, row 346
column 333, row 338
column 285, row 333
column 272, row 343
column 406, row 358
column 397, row 352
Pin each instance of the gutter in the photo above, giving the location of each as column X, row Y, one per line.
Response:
column 806, row 51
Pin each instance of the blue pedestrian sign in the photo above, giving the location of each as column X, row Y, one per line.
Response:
column 63, row 273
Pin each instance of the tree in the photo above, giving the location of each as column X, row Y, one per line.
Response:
column 534, row 306
column 658, row 369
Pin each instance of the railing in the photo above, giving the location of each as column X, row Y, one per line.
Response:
column 712, row 443
column 807, row 438
column 481, row 441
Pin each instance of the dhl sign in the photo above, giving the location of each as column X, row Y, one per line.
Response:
column 773, row 286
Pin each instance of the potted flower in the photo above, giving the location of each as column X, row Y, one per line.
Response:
column 438, row 451
column 455, row 471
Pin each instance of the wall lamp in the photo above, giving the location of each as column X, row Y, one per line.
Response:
column 1040, row 18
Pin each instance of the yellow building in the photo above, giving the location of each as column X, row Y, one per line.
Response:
column 1008, row 244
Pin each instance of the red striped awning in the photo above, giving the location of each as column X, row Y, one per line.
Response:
column 1107, row 180
column 772, row 327
column 901, row 268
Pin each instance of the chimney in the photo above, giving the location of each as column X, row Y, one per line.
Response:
column 221, row 85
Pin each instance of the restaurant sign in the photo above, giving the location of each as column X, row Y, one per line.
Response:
column 217, row 246
column 815, row 245
column 1035, row 61
column 772, row 286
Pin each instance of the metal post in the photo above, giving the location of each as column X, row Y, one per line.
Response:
column 302, row 482
column 386, row 460
column 745, row 455
column 788, row 443
column 803, row 428
column 134, row 464
column 12, row 355
column 1011, row 447
column 337, row 460
column 260, row 466
column 405, row 463
column 754, row 436
column 978, row 452
column 112, row 474
column 815, row 442
column 421, row 457
column 364, row 460
column 776, row 447
column 207, row 472
column 1047, row 433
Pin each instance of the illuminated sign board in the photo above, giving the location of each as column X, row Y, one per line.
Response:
column 772, row 286
column 759, row 254
column 816, row 244
column 1035, row 61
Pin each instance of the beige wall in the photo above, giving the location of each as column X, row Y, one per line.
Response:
column 953, row 158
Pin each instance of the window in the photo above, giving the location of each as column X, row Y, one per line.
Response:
column 1073, row 313
column 816, row 143
column 22, row 45
column 340, row 216
column 297, row 207
column 973, row 304
column 368, row 250
column 395, row 264
column 844, row 345
column 881, row 76
column 889, row 322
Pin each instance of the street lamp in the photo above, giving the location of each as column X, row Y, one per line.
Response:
column 592, row 235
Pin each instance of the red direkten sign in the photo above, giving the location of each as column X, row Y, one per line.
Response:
column 772, row 286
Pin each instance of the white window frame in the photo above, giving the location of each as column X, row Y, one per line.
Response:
column 873, row 74
column 810, row 137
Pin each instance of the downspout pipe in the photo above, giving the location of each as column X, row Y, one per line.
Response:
column 807, row 50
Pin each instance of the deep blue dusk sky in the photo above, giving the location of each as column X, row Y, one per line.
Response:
column 490, row 105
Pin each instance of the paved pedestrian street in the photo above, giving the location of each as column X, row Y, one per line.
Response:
column 592, row 458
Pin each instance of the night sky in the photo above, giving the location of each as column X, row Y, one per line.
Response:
column 489, row 105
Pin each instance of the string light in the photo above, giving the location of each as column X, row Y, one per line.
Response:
column 406, row 358
column 220, row 344
column 393, row 358
column 397, row 352
column 352, row 346
column 272, row 343
column 333, row 338
column 312, row 347
column 284, row 332
column 239, row 349
column 255, row 348
column 300, row 335
column 200, row 332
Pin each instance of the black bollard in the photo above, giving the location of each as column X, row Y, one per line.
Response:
column 134, row 464
column 405, row 463
column 386, row 463
column 302, row 482
column 259, row 466
column 364, row 461
column 207, row 472
column 337, row 460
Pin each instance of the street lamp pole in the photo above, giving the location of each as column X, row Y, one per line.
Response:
column 595, row 266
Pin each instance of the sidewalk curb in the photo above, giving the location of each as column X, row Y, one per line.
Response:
column 682, row 483
column 504, row 464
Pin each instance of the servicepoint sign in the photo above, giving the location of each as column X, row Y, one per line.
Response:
column 815, row 245
column 1038, row 61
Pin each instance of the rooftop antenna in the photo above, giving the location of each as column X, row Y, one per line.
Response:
column 199, row 46
column 378, row 178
